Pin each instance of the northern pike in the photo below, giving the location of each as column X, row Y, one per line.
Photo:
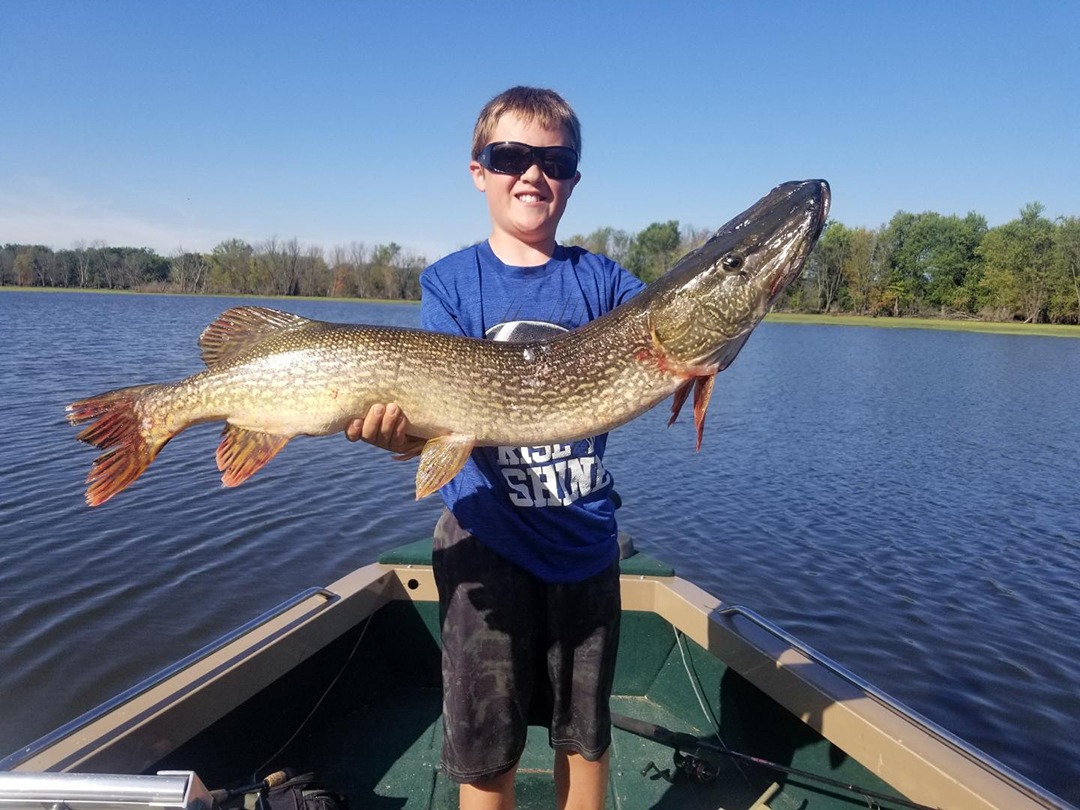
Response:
column 272, row 375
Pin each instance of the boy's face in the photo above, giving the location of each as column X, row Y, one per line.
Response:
column 525, row 208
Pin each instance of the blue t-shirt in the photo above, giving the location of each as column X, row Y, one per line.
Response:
column 546, row 509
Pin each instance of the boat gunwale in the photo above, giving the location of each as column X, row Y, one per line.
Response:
column 239, row 654
column 797, row 676
column 72, row 727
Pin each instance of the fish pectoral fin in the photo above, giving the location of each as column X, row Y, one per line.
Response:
column 441, row 459
column 243, row 452
column 703, row 388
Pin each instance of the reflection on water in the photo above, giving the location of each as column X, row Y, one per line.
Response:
column 903, row 500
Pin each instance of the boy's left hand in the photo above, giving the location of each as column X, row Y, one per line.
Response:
column 386, row 426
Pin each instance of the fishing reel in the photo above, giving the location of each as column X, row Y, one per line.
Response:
column 688, row 766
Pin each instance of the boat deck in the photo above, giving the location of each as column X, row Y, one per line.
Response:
column 399, row 768
column 365, row 716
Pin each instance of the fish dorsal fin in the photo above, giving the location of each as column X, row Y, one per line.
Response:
column 240, row 329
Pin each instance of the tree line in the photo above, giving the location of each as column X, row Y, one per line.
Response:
column 924, row 264
column 932, row 265
column 234, row 267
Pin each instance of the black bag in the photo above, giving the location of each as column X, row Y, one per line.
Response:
column 300, row 793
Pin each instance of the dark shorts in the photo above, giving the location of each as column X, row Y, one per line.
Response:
column 517, row 650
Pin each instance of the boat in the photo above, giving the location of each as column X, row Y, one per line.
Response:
column 715, row 706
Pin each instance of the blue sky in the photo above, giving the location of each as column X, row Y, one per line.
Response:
column 182, row 124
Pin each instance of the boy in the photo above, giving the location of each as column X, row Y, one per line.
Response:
column 526, row 555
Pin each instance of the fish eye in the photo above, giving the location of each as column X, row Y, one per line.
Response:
column 732, row 262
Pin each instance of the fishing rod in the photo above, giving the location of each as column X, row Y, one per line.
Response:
column 698, row 759
column 271, row 781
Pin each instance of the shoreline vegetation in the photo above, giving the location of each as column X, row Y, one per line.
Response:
column 945, row 324
column 795, row 318
column 919, row 270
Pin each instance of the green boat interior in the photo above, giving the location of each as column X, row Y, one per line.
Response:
column 366, row 714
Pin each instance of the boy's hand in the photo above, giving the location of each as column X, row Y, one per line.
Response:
column 387, row 427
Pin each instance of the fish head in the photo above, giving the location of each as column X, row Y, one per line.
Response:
column 719, row 292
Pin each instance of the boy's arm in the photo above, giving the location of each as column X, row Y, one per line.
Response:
column 627, row 285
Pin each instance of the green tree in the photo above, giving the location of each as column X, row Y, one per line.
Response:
column 33, row 265
column 1018, row 261
column 607, row 240
column 824, row 270
column 141, row 266
column 863, row 269
column 653, row 250
column 929, row 259
column 1065, row 289
column 231, row 267
column 949, row 258
column 313, row 274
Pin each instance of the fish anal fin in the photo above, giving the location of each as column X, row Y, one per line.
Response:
column 680, row 397
column 240, row 329
column 244, row 452
column 441, row 459
column 703, row 388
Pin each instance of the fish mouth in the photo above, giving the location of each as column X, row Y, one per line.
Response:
column 800, row 202
column 793, row 214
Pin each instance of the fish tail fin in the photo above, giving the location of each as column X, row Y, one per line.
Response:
column 118, row 427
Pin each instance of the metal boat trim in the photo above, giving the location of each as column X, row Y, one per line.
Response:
column 980, row 758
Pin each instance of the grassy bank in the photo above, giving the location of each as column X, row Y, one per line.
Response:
column 1011, row 328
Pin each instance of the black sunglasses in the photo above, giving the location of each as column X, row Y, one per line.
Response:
column 511, row 157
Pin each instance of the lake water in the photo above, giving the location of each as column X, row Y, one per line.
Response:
column 905, row 501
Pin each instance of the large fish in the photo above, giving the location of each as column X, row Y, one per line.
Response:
column 272, row 376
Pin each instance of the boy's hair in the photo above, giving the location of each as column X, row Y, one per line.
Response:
column 545, row 107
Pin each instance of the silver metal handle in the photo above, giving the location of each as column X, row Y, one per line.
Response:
column 182, row 790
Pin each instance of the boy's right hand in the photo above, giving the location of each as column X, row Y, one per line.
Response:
column 387, row 427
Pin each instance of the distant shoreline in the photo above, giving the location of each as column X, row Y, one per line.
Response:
column 101, row 291
column 990, row 327
column 804, row 318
